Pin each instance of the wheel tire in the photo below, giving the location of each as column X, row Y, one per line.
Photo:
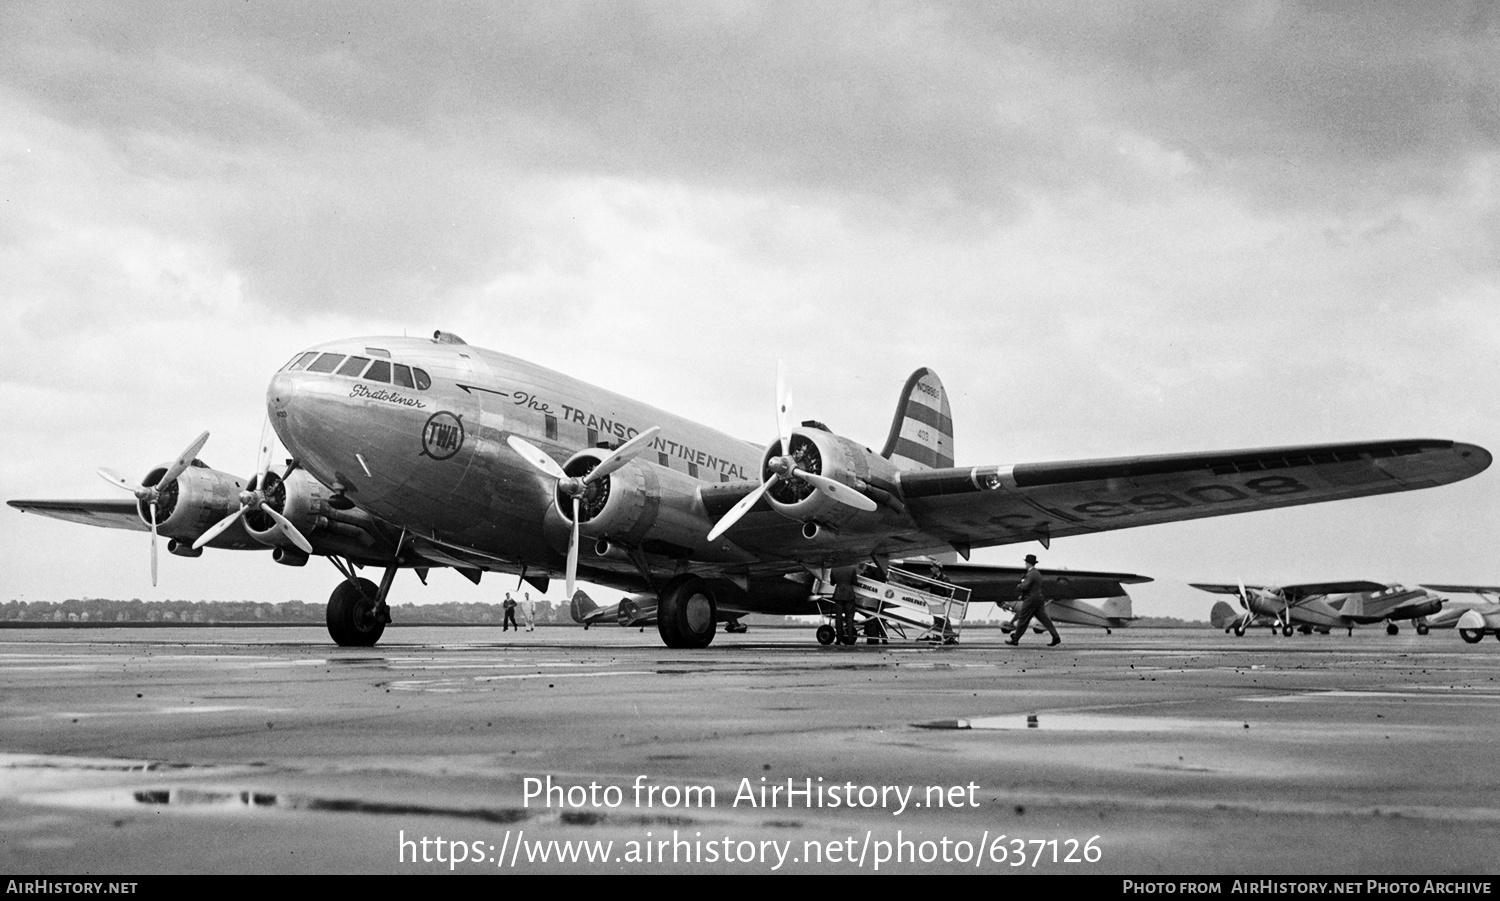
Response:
column 1392, row 629
column 1239, row 632
column 1422, row 630
column 686, row 614
column 1473, row 636
column 351, row 615
column 1286, row 631
column 826, row 635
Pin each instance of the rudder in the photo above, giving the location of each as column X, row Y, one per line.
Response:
column 922, row 431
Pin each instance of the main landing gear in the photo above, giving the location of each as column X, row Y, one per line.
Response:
column 686, row 614
column 357, row 612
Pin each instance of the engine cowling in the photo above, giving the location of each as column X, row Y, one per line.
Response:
column 194, row 501
column 305, row 501
column 638, row 505
column 1426, row 608
column 823, row 453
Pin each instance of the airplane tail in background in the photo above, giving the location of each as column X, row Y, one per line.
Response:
column 1117, row 607
column 922, row 432
column 1223, row 615
column 581, row 606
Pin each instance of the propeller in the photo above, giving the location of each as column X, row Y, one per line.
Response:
column 577, row 487
column 254, row 498
column 151, row 494
column 784, row 467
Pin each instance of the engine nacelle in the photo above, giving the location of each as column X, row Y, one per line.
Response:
column 1426, row 608
column 187, row 507
column 299, row 497
column 639, row 505
column 823, row 453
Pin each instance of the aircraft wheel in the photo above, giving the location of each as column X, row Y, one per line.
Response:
column 1422, row 630
column 1392, row 629
column 1239, row 631
column 352, row 622
column 826, row 635
column 686, row 615
column 1286, row 631
column 1473, row 636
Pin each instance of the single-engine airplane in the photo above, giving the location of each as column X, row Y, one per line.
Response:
column 635, row 610
column 1322, row 606
column 1473, row 617
column 1068, row 592
column 414, row 453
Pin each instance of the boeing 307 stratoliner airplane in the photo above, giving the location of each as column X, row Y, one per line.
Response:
column 415, row 453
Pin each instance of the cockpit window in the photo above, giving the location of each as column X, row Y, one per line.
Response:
column 353, row 366
column 423, row 380
column 403, row 376
column 379, row 371
column 326, row 363
column 300, row 361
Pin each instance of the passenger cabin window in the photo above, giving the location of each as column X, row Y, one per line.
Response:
column 326, row 363
column 551, row 426
column 353, row 366
column 423, row 380
column 663, row 460
column 593, row 436
column 403, row 376
column 693, row 470
column 379, row 371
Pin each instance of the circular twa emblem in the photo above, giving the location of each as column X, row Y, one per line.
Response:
column 442, row 436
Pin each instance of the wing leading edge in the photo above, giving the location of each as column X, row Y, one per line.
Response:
column 990, row 505
column 109, row 513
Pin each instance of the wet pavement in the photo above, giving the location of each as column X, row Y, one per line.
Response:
column 470, row 750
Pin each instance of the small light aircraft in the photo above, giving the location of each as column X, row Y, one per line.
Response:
column 1473, row 617
column 636, row 610
column 1322, row 606
column 411, row 453
column 1068, row 592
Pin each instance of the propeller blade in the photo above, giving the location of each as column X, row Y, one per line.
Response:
column 837, row 490
column 287, row 529
column 533, row 455
column 114, row 478
column 216, row 528
column 185, row 459
column 263, row 456
column 783, row 408
column 573, row 548
column 153, row 538
column 741, row 508
column 622, row 455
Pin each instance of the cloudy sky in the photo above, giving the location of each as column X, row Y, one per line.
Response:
column 1111, row 228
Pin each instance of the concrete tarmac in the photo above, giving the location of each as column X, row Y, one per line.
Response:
column 1177, row 752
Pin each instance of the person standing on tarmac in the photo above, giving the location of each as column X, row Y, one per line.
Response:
column 844, row 599
column 1033, row 604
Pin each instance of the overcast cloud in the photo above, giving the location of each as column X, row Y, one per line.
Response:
column 1112, row 229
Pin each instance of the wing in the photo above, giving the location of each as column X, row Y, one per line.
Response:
column 1466, row 589
column 1298, row 593
column 989, row 505
column 997, row 584
column 111, row 513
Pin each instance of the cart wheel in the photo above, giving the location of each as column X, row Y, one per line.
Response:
column 825, row 634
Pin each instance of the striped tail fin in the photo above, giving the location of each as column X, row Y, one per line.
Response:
column 922, row 432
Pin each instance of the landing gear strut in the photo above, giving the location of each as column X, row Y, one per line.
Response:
column 357, row 612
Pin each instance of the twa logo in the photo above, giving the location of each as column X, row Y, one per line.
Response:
column 442, row 436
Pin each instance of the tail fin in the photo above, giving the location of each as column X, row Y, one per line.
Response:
column 922, row 432
column 581, row 607
column 1118, row 607
column 1222, row 615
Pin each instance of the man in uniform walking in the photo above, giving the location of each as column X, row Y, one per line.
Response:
column 1033, row 603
